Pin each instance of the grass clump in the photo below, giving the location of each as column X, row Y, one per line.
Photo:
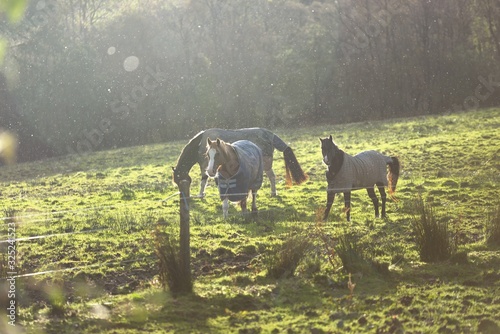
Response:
column 352, row 254
column 285, row 258
column 493, row 227
column 127, row 193
column 431, row 236
column 167, row 250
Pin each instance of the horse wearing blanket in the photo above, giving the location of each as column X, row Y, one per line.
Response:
column 364, row 170
column 238, row 169
column 267, row 141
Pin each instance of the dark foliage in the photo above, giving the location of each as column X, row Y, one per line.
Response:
column 85, row 80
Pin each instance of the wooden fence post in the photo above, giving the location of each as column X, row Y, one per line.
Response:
column 185, row 254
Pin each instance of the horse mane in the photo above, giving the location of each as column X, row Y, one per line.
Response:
column 393, row 175
column 338, row 161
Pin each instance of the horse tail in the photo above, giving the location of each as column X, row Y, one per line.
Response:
column 292, row 166
column 393, row 174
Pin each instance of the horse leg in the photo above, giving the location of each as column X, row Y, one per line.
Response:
column 243, row 205
column 204, row 178
column 347, row 201
column 225, row 208
column 330, row 196
column 268, row 168
column 203, row 184
column 272, row 179
column 373, row 196
column 254, row 204
column 383, row 195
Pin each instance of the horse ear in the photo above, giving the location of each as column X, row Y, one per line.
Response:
column 331, row 138
column 218, row 142
column 209, row 142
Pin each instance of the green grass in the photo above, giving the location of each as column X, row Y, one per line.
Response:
column 99, row 213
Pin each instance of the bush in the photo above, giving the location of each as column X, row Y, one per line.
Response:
column 127, row 193
column 285, row 258
column 432, row 238
column 353, row 256
column 170, row 273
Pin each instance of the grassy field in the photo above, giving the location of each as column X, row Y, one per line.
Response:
column 86, row 241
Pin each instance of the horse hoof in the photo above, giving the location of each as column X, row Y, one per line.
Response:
column 274, row 194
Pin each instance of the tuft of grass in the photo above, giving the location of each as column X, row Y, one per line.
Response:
column 284, row 259
column 493, row 227
column 353, row 256
column 431, row 236
column 10, row 213
column 170, row 273
column 127, row 221
column 57, row 299
column 127, row 194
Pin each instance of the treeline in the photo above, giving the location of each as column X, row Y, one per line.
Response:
column 95, row 74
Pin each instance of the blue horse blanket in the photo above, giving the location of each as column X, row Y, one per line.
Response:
column 249, row 175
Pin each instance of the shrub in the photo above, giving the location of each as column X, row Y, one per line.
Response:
column 57, row 298
column 433, row 241
column 352, row 255
column 493, row 227
column 285, row 258
column 170, row 273
column 127, row 193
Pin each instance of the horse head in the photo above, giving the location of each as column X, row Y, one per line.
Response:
column 178, row 175
column 328, row 150
column 215, row 154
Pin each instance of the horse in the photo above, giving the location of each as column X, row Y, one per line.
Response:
column 238, row 169
column 365, row 170
column 267, row 141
